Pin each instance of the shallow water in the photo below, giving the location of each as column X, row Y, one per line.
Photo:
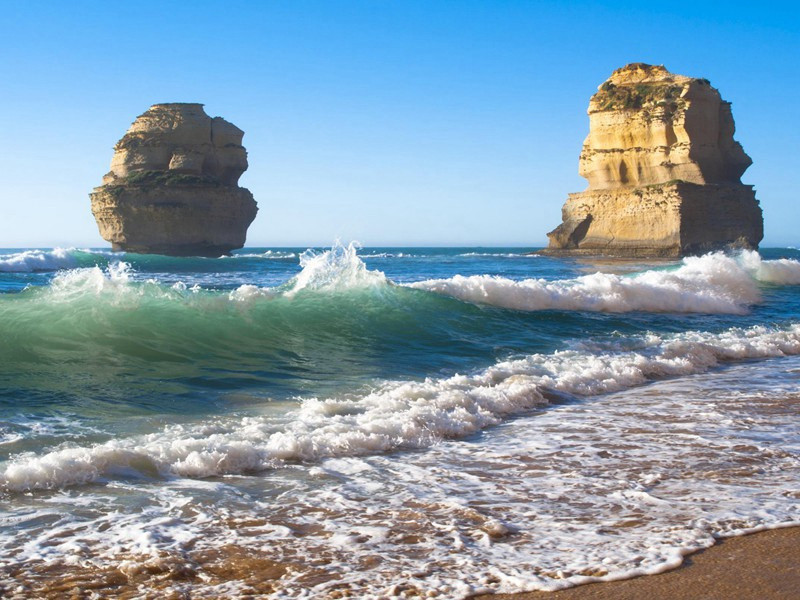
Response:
column 388, row 421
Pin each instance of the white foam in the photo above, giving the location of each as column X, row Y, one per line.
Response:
column 622, row 485
column 114, row 280
column 334, row 270
column 114, row 284
column 502, row 254
column 391, row 255
column 785, row 271
column 714, row 283
column 268, row 254
column 38, row 260
column 411, row 414
column 28, row 427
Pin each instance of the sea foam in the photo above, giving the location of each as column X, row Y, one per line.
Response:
column 402, row 414
column 38, row 260
column 713, row 283
column 335, row 270
column 267, row 254
column 622, row 485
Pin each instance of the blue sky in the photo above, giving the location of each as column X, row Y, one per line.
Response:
column 392, row 123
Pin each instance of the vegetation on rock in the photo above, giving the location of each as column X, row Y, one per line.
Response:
column 640, row 95
column 166, row 178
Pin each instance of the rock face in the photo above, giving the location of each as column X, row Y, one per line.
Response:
column 173, row 185
column 663, row 171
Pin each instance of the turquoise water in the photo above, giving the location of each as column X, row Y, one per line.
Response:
column 259, row 384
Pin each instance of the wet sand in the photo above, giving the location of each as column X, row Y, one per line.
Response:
column 760, row 566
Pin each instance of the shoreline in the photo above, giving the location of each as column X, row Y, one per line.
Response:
column 764, row 565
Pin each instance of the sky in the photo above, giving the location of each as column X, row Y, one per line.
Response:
column 399, row 123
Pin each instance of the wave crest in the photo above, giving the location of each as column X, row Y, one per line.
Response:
column 335, row 269
column 713, row 283
column 31, row 261
column 410, row 414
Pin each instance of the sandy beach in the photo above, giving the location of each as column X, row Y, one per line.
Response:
column 764, row 566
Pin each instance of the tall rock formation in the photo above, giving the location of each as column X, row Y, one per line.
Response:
column 663, row 171
column 173, row 185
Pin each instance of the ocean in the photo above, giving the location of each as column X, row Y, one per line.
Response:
column 354, row 422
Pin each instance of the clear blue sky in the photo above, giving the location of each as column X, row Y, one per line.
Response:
column 390, row 122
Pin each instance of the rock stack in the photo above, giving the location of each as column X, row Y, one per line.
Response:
column 173, row 185
column 663, row 171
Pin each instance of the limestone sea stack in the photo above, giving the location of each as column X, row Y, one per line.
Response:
column 663, row 170
column 173, row 185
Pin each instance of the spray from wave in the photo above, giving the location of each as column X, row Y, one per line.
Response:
column 336, row 270
column 782, row 271
column 714, row 283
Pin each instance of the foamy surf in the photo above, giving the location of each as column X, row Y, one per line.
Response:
column 711, row 284
column 267, row 254
column 714, row 283
column 618, row 486
column 397, row 415
column 39, row 260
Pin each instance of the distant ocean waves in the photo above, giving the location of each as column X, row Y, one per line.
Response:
column 41, row 261
column 57, row 259
column 714, row 283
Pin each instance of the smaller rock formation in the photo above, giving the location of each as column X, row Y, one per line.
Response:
column 663, row 171
column 173, row 185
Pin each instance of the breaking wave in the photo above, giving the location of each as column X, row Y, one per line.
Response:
column 31, row 261
column 345, row 308
column 400, row 414
column 714, row 283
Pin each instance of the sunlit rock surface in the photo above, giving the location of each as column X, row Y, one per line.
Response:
column 663, row 171
column 173, row 185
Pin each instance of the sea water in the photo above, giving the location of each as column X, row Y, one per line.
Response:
column 387, row 422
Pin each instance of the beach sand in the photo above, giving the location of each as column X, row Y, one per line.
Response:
column 760, row 566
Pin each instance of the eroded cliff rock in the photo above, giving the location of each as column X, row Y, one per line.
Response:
column 663, row 171
column 173, row 185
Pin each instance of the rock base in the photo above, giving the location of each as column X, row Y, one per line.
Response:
column 174, row 220
column 664, row 220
